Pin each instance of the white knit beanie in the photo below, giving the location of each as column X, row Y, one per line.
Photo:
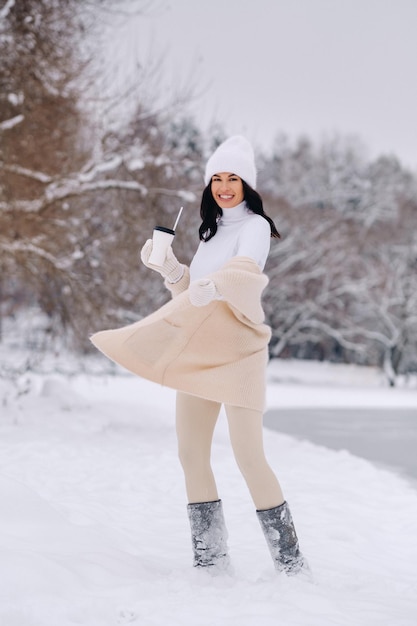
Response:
column 234, row 155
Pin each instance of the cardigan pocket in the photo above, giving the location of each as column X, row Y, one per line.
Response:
column 153, row 346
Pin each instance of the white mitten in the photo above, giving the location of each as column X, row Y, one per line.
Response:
column 201, row 292
column 171, row 269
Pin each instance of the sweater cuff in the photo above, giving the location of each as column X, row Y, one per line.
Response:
column 181, row 285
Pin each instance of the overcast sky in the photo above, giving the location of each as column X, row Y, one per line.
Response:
column 294, row 66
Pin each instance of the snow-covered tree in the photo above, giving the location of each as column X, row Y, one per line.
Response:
column 78, row 199
column 343, row 277
column 40, row 139
column 336, row 173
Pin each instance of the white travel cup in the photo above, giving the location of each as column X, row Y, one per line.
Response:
column 161, row 240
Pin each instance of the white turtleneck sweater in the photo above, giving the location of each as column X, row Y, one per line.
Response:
column 239, row 233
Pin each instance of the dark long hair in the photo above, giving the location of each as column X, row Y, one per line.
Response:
column 210, row 212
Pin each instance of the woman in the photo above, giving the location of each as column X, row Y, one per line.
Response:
column 210, row 344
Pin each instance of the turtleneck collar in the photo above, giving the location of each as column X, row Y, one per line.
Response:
column 235, row 214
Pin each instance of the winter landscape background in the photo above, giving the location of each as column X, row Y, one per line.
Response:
column 94, row 150
column 86, row 171
column 94, row 528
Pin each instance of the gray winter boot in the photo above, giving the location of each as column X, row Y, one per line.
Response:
column 280, row 535
column 208, row 534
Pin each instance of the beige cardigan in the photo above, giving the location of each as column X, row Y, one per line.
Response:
column 218, row 351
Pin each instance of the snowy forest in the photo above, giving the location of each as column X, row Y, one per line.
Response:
column 85, row 174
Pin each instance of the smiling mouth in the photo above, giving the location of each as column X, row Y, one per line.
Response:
column 223, row 197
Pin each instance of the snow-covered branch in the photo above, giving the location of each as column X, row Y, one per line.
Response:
column 68, row 188
column 182, row 194
column 10, row 123
column 28, row 248
column 4, row 12
column 24, row 171
column 100, row 168
column 65, row 189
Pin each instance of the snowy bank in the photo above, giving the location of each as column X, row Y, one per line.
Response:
column 94, row 529
column 313, row 384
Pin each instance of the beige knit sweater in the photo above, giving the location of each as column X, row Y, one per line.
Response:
column 218, row 351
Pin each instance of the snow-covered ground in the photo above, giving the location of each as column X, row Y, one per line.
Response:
column 93, row 525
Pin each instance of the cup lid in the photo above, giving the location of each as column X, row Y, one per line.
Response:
column 165, row 230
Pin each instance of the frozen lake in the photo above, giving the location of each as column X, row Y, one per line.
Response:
column 384, row 436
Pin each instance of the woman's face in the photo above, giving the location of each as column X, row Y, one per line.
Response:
column 227, row 189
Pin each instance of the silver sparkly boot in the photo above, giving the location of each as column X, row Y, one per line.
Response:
column 280, row 535
column 208, row 534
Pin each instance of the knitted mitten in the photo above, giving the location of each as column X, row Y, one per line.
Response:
column 202, row 292
column 172, row 270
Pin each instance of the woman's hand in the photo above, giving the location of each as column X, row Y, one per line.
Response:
column 203, row 291
column 171, row 269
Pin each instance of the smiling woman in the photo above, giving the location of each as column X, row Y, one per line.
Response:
column 235, row 237
column 210, row 344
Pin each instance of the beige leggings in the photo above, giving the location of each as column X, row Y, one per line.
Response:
column 195, row 421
